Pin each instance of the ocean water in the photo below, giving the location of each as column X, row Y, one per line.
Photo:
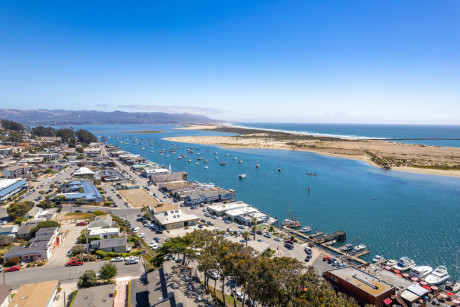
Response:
column 394, row 213
column 373, row 131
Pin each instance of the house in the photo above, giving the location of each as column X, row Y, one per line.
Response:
column 40, row 213
column 24, row 231
column 175, row 219
column 15, row 171
column 84, row 171
column 9, row 231
column 5, row 295
column 79, row 191
column 116, row 245
column 39, row 294
column 104, row 233
column 101, row 222
column 10, row 187
column 40, row 247
column 101, row 296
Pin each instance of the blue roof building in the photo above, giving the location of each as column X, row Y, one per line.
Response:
column 9, row 187
column 83, row 190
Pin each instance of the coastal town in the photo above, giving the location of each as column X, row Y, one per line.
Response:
column 85, row 223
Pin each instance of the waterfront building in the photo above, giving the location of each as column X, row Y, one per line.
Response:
column 175, row 219
column 78, row 190
column 362, row 286
column 221, row 208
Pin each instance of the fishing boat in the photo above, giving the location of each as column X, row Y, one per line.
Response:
column 377, row 258
column 200, row 158
column 223, row 163
column 241, row 161
column 332, row 242
column 189, row 160
column 347, row 247
column 404, row 264
column 257, row 165
column 305, row 229
column 420, row 271
column 391, row 263
column 438, row 276
column 234, row 158
column 242, row 176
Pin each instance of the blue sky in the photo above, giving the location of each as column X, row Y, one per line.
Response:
column 285, row 61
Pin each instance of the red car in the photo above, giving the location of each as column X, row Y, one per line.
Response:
column 74, row 263
column 13, row 268
column 82, row 224
column 326, row 258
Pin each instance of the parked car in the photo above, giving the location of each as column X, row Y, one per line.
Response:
column 13, row 268
column 308, row 250
column 210, row 223
column 278, row 239
column 326, row 258
column 259, row 232
column 267, row 235
column 117, row 259
column 200, row 226
column 132, row 260
column 214, row 275
column 82, row 223
column 159, row 231
column 288, row 245
column 136, row 229
column 74, row 262
column 331, row 260
column 158, row 240
column 154, row 245
column 142, row 235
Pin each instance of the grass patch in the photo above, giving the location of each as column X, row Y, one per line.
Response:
column 73, row 298
column 270, row 252
column 228, row 298
column 77, row 215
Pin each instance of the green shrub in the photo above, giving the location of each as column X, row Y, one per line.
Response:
column 88, row 279
column 12, row 261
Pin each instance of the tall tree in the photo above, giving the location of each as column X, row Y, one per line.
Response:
column 11, row 125
column 85, row 137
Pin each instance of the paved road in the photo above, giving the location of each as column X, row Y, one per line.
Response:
column 66, row 274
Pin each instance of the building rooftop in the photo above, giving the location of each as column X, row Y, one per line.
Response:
column 371, row 284
column 31, row 295
column 100, row 296
column 82, row 171
column 98, row 231
column 8, row 185
column 108, row 243
column 174, row 216
column 229, row 206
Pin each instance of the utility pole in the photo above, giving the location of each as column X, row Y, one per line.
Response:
column 87, row 246
column 3, row 273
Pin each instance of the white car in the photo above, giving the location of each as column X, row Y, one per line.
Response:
column 132, row 261
column 142, row 235
column 117, row 259
column 154, row 245
column 136, row 229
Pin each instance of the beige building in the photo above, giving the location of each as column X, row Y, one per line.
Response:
column 41, row 294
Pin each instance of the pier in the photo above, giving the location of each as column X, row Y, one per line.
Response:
column 354, row 258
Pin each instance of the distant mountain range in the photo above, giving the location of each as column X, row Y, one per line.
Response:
column 61, row 117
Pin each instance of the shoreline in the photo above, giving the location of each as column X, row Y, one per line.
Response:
column 421, row 159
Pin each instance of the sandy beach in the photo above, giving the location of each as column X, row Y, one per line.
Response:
column 433, row 160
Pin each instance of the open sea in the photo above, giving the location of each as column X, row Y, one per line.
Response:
column 394, row 213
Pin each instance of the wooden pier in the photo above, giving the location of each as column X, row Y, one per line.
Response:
column 352, row 258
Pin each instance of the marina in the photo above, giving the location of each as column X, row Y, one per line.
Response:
column 286, row 185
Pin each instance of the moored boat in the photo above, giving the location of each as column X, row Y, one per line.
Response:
column 420, row 271
column 378, row 258
column 347, row 247
column 305, row 229
column 358, row 249
column 438, row 276
column 404, row 264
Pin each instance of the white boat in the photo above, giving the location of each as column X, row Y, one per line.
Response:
column 438, row 276
column 391, row 263
column 205, row 167
column 223, row 163
column 234, row 158
column 242, row 176
column 241, row 161
column 377, row 258
column 358, row 249
column 305, row 229
column 404, row 264
column 347, row 247
column 420, row 271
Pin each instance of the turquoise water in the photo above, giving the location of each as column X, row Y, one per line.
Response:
column 395, row 213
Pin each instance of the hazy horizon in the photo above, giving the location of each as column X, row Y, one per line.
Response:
column 354, row 62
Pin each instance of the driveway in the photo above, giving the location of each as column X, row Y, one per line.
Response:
column 59, row 256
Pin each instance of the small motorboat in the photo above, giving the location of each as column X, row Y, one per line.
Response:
column 223, row 163
column 305, row 229
column 404, row 264
column 377, row 258
column 347, row 247
column 242, row 176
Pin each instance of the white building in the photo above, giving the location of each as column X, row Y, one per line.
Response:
column 175, row 219
column 221, row 209
column 104, row 233
column 83, row 171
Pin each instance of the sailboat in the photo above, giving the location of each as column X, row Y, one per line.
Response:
column 291, row 222
column 454, row 286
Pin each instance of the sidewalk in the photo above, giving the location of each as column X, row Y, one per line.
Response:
column 122, row 292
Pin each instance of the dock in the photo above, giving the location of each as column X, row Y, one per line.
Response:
column 354, row 258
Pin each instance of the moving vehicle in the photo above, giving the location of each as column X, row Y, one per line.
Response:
column 74, row 262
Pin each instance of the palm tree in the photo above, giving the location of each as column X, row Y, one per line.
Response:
column 246, row 237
